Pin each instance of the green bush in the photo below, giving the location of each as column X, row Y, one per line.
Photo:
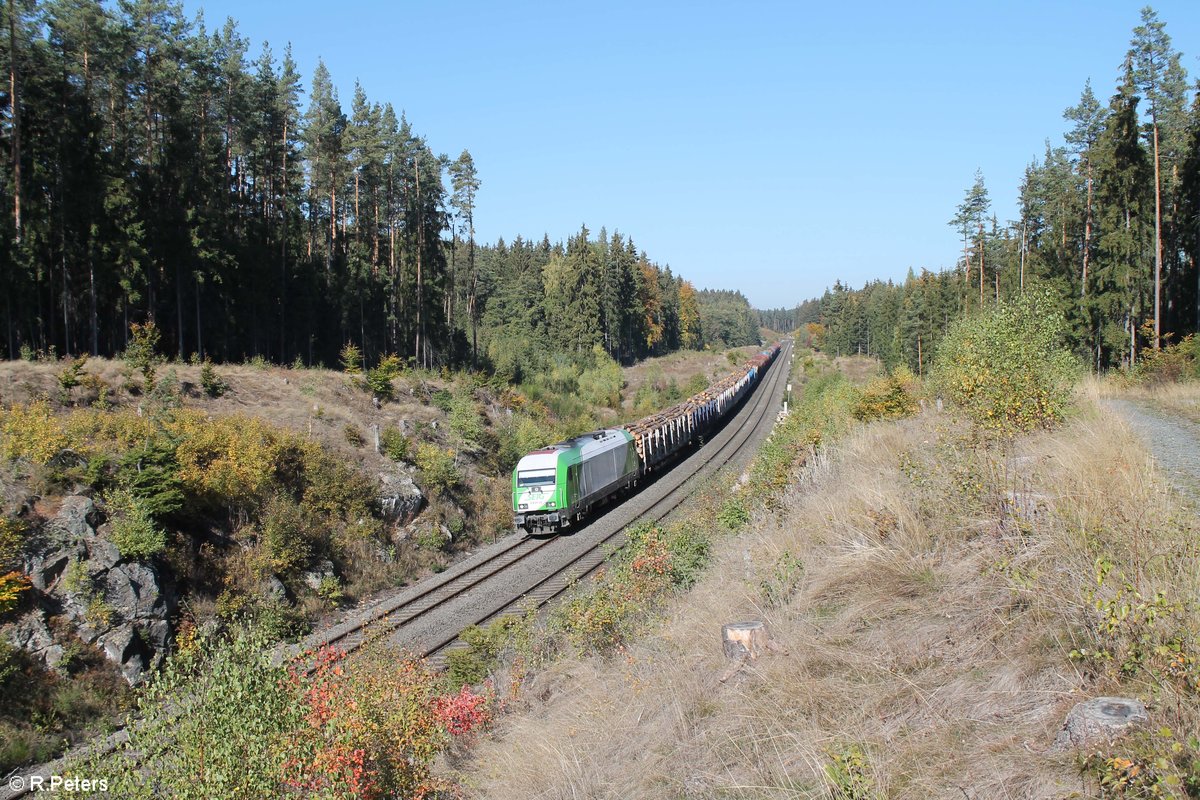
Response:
column 379, row 380
column 142, row 352
column 72, row 374
column 134, row 531
column 351, row 359
column 195, row 742
column 465, row 419
column 437, row 469
column 150, row 473
column 394, row 444
column 353, row 435
column 286, row 538
column 784, row 580
column 848, row 774
column 517, row 436
column 1176, row 362
column 600, row 383
column 210, row 381
column 733, row 514
column 164, row 396
column 442, row 400
column 1007, row 367
column 890, row 397
column 472, row 663
column 330, row 590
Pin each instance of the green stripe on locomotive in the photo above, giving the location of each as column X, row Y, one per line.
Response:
column 570, row 493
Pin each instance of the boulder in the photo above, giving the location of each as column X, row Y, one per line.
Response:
column 400, row 499
column 273, row 588
column 101, row 552
column 1100, row 721
column 314, row 577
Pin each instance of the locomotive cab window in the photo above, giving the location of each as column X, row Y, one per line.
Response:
column 536, row 477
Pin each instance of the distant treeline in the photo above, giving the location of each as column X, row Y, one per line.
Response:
column 543, row 298
column 786, row 320
column 1108, row 223
column 158, row 172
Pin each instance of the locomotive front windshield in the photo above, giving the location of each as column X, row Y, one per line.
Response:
column 536, row 477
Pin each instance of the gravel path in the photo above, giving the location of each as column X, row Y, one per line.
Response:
column 1174, row 442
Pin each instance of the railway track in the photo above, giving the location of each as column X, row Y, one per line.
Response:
column 392, row 617
column 745, row 425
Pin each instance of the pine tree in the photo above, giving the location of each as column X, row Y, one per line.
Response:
column 969, row 221
column 324, row 147
column 1125, row 219
column 464, row 182
column 1158, row 73
column 1088, row 118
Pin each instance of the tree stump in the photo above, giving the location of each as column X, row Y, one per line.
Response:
column 744, row 642
column 1100, row 721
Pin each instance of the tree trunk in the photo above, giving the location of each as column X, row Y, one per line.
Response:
column 14, row 100
column 982, row 256
column 92, row 303
column 420, row 248
column 199, row 337
column 283, row 254
column 1024, row 246
column 179, row 307
column 1157, row 245
column 1087, row 233
column 474, row 287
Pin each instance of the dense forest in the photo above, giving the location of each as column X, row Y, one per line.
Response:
column 1109, row 222
column 159, row 172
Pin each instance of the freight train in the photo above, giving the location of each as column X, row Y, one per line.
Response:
column 559, row 484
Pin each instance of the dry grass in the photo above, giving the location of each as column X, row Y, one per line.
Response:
column 858, row 369
column 945, row 586
column 319, row 403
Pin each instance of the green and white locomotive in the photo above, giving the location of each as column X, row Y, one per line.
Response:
column 554, row 486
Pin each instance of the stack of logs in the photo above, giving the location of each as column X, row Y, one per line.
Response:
column 660, row 435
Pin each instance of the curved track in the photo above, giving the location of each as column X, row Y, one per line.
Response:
column 664, row 498
column 506, row 576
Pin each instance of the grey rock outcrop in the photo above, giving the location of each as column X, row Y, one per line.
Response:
column 75, row 520
column 400, row 499
column 1100, row 721
column 314, row 577
column 121, row 607
column 30, row 632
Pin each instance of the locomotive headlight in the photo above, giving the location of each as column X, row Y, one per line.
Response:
column 550, row 504
column 523, row 506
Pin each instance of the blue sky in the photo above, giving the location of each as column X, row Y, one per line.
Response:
column 767, row 147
